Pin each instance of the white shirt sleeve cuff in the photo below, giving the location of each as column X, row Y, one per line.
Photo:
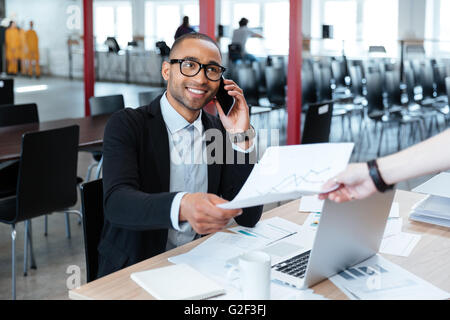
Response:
column 239, row 149
column 175, row 210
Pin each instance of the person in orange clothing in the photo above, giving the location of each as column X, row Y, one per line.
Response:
column 32, row 43
column 23, row 51
column 13, row 48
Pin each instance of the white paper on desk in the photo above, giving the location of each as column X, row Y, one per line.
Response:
column 439, row 185
column 400, row 244
column 311, row 204
column 393, row 227
column 379, row 279
column 210, row 256
column 269, row 230
column 289, row 172
column 395, row 210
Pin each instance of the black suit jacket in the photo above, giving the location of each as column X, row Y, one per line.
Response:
column 136, row 176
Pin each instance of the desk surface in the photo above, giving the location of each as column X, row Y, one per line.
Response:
column 429, row 260
column 91, row 133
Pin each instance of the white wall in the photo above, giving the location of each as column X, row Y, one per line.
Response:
column 51, row 24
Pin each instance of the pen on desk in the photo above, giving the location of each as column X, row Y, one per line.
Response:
column 282, row 238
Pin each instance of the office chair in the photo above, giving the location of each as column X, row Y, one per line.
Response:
column 102, row 105
column 148, row 96
column 318, row 123
column 6, row 91
column 92, row 208
column 246, row 79
column 13, row 115
column 379, row 114
column 234, row 52
column 276, row 92
column 46, row 183
column 309, row 92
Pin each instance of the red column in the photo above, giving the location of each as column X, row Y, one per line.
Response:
column 207, row 17
column 294, row 81
column 89, row 72
column 208, row 27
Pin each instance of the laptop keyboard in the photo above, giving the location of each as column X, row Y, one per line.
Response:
column 295, row 266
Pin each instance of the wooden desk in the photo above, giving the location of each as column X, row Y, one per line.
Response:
column 429, row 260
column 91, row 133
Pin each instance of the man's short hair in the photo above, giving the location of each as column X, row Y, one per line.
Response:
column 243, row 22
column 192, row 35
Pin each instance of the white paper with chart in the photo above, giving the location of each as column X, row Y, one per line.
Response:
column 288, row 172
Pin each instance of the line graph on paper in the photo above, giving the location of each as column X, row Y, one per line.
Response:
column 288, row 172
column 295, row 182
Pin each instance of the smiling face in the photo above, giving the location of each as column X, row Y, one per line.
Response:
column 188, row 95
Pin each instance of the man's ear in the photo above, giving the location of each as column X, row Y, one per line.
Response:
column 165, row 70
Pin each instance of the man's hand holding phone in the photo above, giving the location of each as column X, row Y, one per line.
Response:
column 238, row 118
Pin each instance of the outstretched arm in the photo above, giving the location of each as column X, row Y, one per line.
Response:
column 427, row 157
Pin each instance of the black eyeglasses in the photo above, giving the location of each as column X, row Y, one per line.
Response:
column 190, row 68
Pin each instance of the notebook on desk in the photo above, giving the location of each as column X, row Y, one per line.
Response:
column 177, row 282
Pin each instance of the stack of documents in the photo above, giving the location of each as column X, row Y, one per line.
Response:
column 432, row 209
column 435, row 208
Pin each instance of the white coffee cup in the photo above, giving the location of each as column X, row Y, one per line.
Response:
column 254, row 275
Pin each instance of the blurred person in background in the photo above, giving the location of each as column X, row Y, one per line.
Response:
column 241, row 35
column 184, row 28
column 13, row 48
column 32, row 43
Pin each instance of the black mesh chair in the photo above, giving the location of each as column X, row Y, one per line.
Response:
column 148, row 96
column 102, row 105
column 246, row 79
column 234, row 52
column 47, row 181
column 380, row 114
column 275, row 83
column 276, row 93
column 309, row 92
column 318, row 123
column 92, row 208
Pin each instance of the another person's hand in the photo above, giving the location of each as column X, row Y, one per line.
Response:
column 354, row 183
column 200, row 210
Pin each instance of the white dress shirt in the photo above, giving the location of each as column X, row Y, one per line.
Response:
column 188, row 167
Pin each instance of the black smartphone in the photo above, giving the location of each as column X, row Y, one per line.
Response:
column 226, row 101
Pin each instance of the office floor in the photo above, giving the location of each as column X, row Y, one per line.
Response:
column 55, row 253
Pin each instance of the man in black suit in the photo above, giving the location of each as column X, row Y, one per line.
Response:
column 156, row 194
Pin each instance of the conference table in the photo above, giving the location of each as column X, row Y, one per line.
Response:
column 429, row 260
column 91, row 133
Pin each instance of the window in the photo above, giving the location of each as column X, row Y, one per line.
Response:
column 342, row 16
column 276, row 26
column 380, row 24
column 444, row 26
column 113, row 19
column 162, row 18
column 269, row 18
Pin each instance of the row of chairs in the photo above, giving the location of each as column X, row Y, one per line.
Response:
column 321, row 81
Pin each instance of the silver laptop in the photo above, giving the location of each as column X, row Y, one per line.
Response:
column 348, row 233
